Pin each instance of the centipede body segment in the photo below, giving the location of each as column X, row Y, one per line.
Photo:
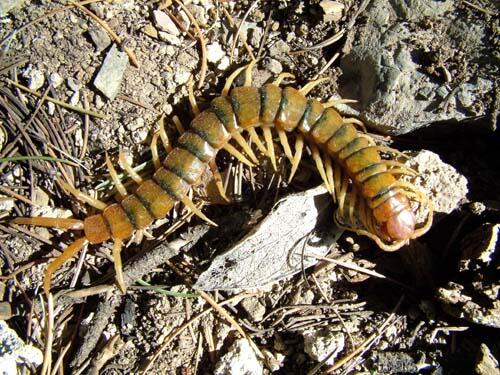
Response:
column 371, row 199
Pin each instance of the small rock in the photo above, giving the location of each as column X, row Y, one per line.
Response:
column 279, row 49
column 479, row 247
column 110, row 75
column 181, row 77
column 7, row 5
column 256, row 36
column 6, row 203
column 394, row 362
column 55, row 80
column 137, row 124
column 15, row 353
column 319, row 344
column 74, row 84
column 215, row 52
column 150, row 30
column 35, row 77
column 254, row 308
column 100, row 38
column 224, row 63
column 75, row 98
column 274, row 66
column 51, row 108
column 239, row 360
column 165, row 23
column 170, row 38
column 5, row 311
column 445, row 186
column 486, row 363
column 333, row 10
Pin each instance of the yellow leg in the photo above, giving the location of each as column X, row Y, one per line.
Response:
column 154, row 151
column 342, row 195
column 192, row 99
column 270, row 146
column 128, row 168
column 68, row 253
column 329, row 174
column 114, row 176
column 334, row 102
column 245, row 146
column 286, row 146
column 248, row 73
column 83, row 197
column 352, row 204
column 281, row 77
column 178, row 125
column 50, row 222
column 230, row 80
column 319, row 165
column 238, row 155
column 191, row 206
column 117, row 259
column 312, row 84
column 299, row 147
column 163, row 135
column 254, row 137
column 218, row 180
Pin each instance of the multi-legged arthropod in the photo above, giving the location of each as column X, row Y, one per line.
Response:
column 371, row 198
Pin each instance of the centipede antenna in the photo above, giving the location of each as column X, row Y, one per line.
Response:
column 248, row 73
column 230, row 80
column 238, row 155
column 281, row 77
column 163, row 134
column 192, row 99
column 178, row 125
column 82, row 196
column 50, row 222
column 128, row 168
column 355, row 121
column 393, row 163
column 319, row 165
column 114, row 176
column 403, row 171
column 329, row 175
column 285, row 144
column 117, row 260
column 67, row 254
column 299, row 147
column 254, row 137
column 268, row 137
column 245, row 146
column 190, row 205
column 312, row 84
column 218, row 180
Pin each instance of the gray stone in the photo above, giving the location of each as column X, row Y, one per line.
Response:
column 165, row 23
column 14, row 352
column 7, row 5
column 486, row 363
column 100, row 38
column 323, row 343
column 239, row 360
column 254, row 308
column 35, row 77
column 215, row 52
column 382, row 70
column 170, row 38
column 110, row 75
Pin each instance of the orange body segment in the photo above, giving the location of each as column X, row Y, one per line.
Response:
column 246, row 105
column 137, row 213
column 185, row 165
column 327, row 125
column 270, row 97
column 118, row 221
column 155, row 199
column 291, row 109
column 96, row 229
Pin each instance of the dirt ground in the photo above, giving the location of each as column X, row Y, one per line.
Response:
column 431, row 307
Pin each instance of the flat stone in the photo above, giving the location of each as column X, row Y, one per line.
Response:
column 100, row 38
column 240, row 359
column 323, row 343
column 110, row 75
column 165, row 23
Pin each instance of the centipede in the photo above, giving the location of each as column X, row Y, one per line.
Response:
column 363, row 177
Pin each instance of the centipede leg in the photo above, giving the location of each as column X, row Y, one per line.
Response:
column 254, row 137
column 319, row 165
column 191, row 206
column 163, row 134
column 154, row 151
column 286, row 146
column 329, row 174
column 114, row 176
column 230, row 80
column 342, row 194
column 248, row 73
column 299, row 147
column 312, row 84
column 192, row 99
column 400, row 168
column 238, row 155
column 270, row 145
column 245, row 146
column 178, row 125
column 68, row 253
column 218, row 179
column 128, row 168
column 117, row 260
column 50, row 222
column 281, row 77
column 82, row 196
column 334, row 102
column 351, row 205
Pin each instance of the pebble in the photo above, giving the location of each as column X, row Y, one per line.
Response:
column 486, row 363
column 215, row 52
column 165, row 23
column 74, row 84
column 274, row 66
column 14, row 353
column 319, row 344
column 332, row 9
column 170, row 38
column 100, row 38
column 7, row 5
column 150, row 30
column 224, row 63
column 6, row 203
column 110, row 75
column 55, row 79
column 181, row 77
column 254, row 308
column 35, row 77
column 240, row 359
